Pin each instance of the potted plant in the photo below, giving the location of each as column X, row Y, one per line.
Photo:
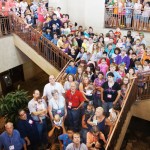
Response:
column 11, row 103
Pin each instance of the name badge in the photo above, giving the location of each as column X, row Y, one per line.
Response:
column 30, row 122
column 95, row 122
column 58, row 111
column 109, row 96
column 11, row 147
column 69, row 105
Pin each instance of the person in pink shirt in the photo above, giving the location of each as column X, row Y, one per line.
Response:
column 4, row 8
column 103, row 66
column 41, row 15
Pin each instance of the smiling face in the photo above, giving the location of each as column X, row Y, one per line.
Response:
column 125, row 81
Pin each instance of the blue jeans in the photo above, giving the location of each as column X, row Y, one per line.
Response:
column 74, row 119
column 107, row 106
column 42, row 129
column 83, row 134
column 97, row 101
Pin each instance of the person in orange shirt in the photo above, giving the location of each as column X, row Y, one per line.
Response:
column 146, row 55
column 115, row 15
column 95, row 139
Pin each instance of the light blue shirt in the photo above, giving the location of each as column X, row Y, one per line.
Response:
column 15, row 141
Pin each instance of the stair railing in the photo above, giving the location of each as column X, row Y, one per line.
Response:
column 38, row 42
column 129, row 100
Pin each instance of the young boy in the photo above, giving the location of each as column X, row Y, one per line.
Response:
column 113, row 68
column 66, row 138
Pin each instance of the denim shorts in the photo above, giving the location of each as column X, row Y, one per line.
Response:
column 145, row 19
column 128, row 18
column 137, row 16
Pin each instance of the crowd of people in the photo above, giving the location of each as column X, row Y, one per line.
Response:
column 128, row 13
column 83, row 107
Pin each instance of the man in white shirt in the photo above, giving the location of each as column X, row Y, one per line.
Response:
column 52, row 85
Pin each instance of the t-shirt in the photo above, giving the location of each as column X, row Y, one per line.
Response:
column 72, row 147
column 71, row 70
column 57, row 104
column 49, row 88
column 65, row 139
column 110, row 94
column 74, row 100
column 23, row 6
column 32, row 106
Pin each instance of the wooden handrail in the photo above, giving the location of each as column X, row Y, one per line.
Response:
column 131, row 96
column 119, row 122
column 59, row 77
column 38, row 42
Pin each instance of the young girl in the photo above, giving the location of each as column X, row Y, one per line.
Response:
column 121, row 70
column 103, row 66
column 116, row 53
column 130, row 52
column 94, row 53
column 88, row 72
column 73, row 52
column 79, row 74
column 131, row 74
column 119, row 43
column 60, row 42
column 140, row 51
column 80, row 54
column 124, row 88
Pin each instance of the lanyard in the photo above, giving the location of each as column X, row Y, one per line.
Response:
column 57, row 104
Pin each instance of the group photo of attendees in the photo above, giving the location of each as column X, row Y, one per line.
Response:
column 83, row 106
column 133, row 14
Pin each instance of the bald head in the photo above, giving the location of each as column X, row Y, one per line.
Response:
column 73, row 86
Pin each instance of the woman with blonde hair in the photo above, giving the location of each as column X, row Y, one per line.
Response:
column 101, row 122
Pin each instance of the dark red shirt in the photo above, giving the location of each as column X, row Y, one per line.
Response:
column 74, row 100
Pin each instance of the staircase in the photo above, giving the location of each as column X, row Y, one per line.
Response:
column 39, row 49
column 131, row 107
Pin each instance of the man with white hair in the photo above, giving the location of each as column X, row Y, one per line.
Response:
column 10, row 139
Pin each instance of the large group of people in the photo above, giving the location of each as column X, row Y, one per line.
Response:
column 128, row 13
column 83, row 107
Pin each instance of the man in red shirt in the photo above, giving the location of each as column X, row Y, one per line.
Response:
column 75, row 101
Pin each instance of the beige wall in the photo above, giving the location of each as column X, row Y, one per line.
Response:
column 30, row 70
column 10, row 56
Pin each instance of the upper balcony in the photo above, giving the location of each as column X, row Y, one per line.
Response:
column 126, row 19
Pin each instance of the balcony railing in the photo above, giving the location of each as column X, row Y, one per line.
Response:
column 34, row 39
column 4, row 26
column 125, row 19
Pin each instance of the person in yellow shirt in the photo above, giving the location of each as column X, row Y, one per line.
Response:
column 146, row 55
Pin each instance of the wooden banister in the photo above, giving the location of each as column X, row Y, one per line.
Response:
column 38, row 42
column 131, row 96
